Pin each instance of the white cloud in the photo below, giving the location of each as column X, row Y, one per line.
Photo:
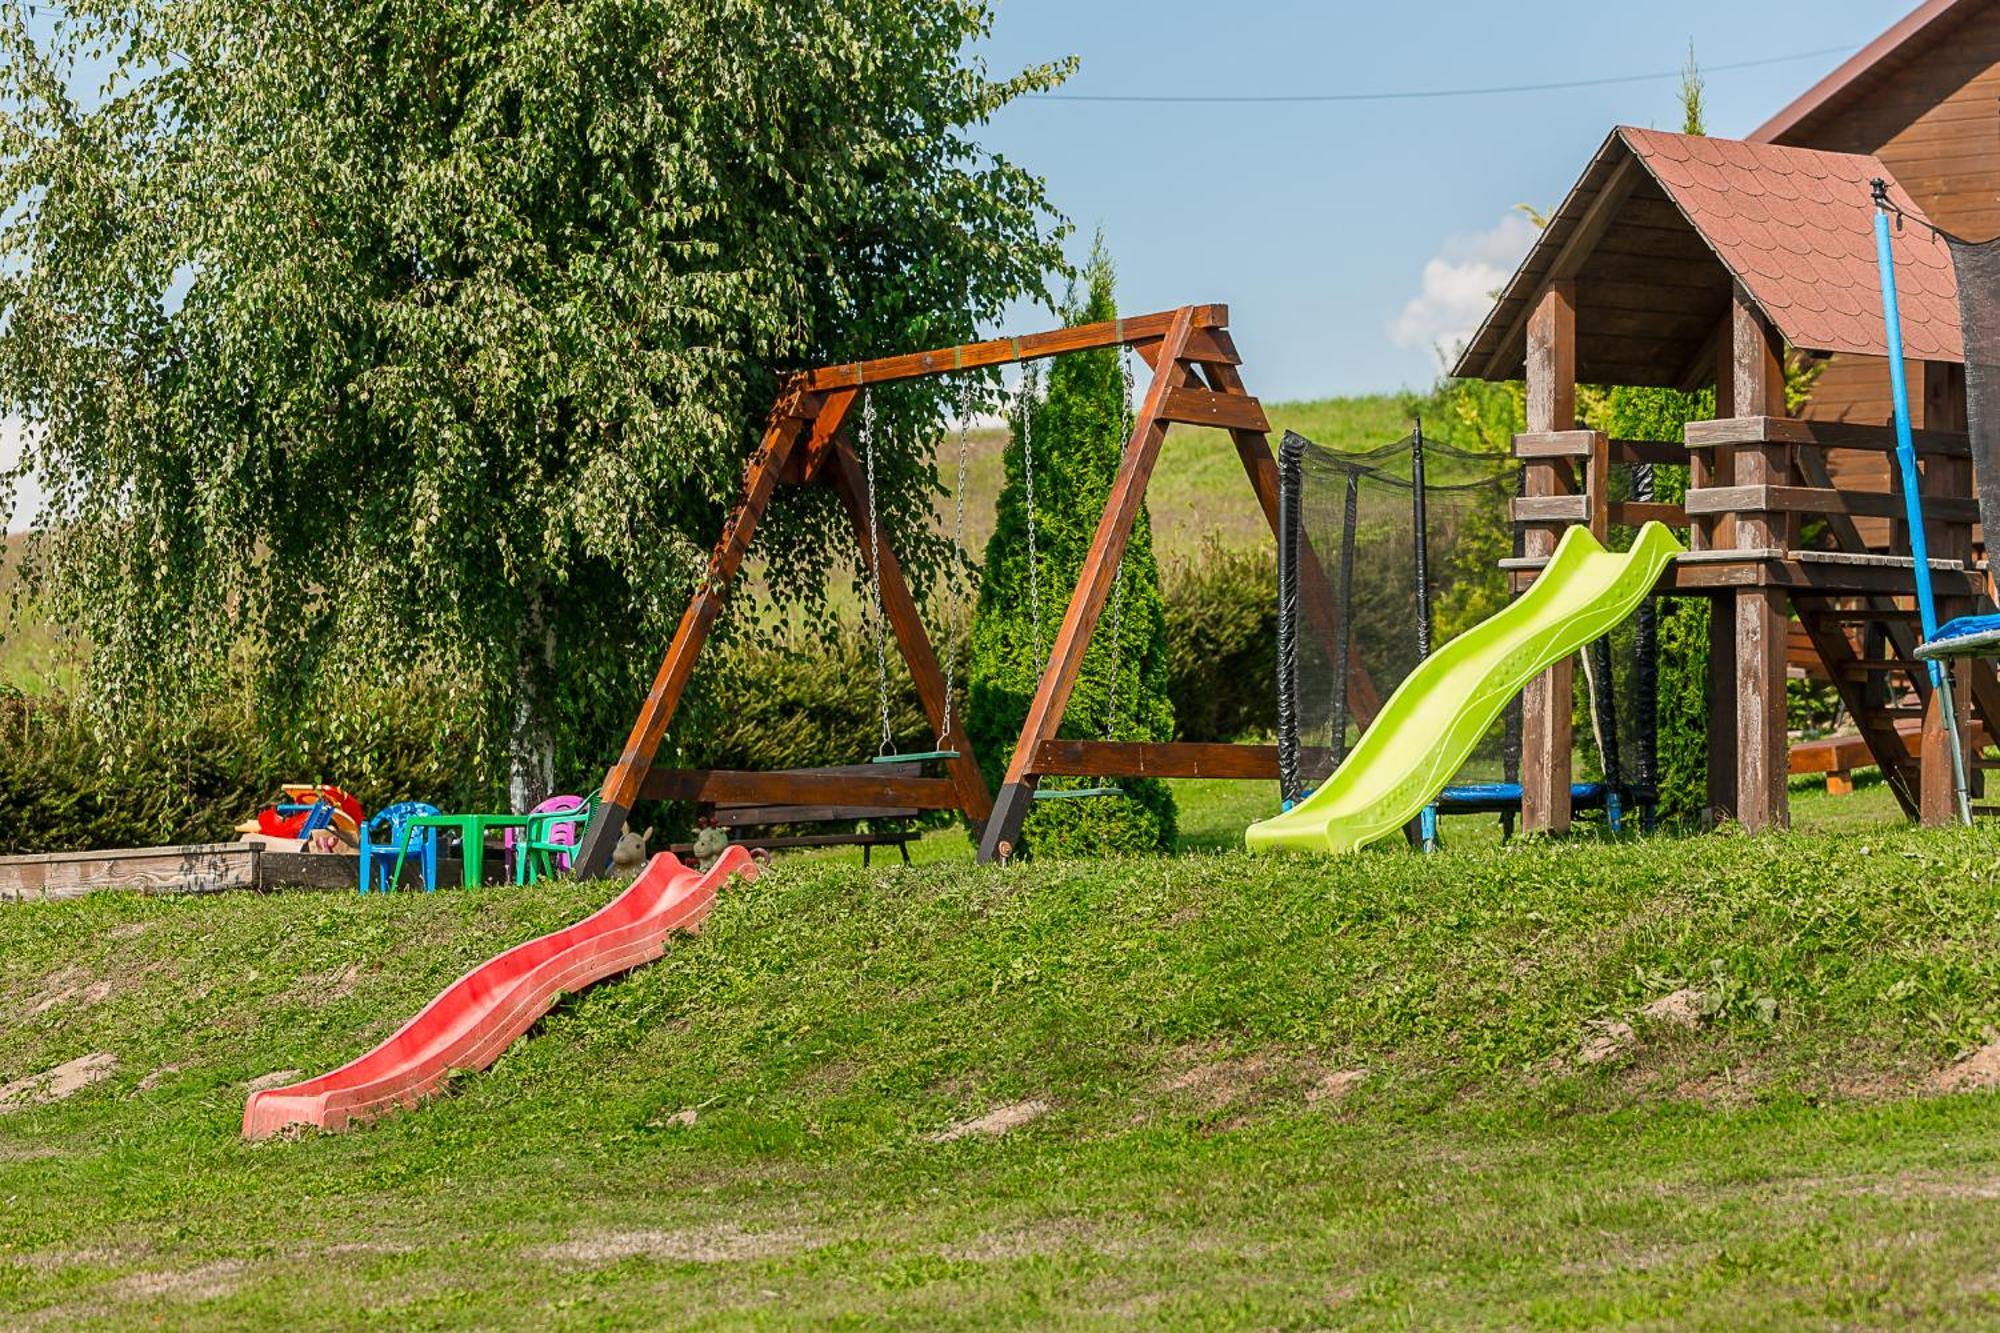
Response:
column 1459, row 283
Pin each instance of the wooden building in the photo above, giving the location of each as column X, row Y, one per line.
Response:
column 1685, row 261
column 1924, row 97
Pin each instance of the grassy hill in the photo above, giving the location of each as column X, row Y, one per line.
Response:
column 1681, row 1083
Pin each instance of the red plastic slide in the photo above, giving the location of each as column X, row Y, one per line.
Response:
column 479, row 1014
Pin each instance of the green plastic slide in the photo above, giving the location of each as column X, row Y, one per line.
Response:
column 1430, row 725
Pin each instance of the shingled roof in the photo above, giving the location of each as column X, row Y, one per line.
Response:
column 1660, row 227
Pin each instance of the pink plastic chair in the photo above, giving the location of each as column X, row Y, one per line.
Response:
column 563, row 833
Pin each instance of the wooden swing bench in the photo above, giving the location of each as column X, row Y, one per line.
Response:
column 784, row 798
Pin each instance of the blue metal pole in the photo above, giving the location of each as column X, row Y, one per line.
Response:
column 1906, row 463
column 1906, row 451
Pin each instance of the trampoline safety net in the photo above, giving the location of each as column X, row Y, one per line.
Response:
column 1977, row 264
column 1371, row 545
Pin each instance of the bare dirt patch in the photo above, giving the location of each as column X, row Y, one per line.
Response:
column 996, row 1122
column 203, row 1282
column 319, row 989
column 1608, row 1039
column 1237, row 1080
column 156, row 1078
column 1039, row 1240
column 1334, row 1085
column 1978, row 1071
column 1679, row 1009
column 131, row 930
column 726, row 1243
column 277, row 1078
column 53, row 1085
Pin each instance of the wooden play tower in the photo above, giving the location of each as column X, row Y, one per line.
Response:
column 1684, row 261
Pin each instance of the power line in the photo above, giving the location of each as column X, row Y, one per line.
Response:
column 1429, row 94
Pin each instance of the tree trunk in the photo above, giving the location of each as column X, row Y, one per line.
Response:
column 531, row 749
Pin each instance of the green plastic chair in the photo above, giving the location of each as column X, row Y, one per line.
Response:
column 536, row 853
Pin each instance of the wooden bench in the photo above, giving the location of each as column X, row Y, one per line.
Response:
column 733, row 817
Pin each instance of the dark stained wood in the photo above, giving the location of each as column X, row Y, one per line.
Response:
column 1005, row 351
column 1557, row 511
column 622, row 785
column 1203, row 407
column 908, row 623
column 1748, row 500
column 1146, row 759
column 721, row 786
column 1635, row 512
column 1722, row 687
column 1546, row 702
column 1753, row 429
column 1762, row 614
column 1938, row 402
column 1887, row 747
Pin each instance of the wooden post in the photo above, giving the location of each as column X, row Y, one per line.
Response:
column 1762, row 615
column 1546, row 703
column 1128, row 490
column 1939, row 404
column 901, row 610
column 795, row 410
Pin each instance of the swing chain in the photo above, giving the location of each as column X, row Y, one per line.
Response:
column 1030, row 375
column 875, row 578
column 1118, row 578
column 958, row 556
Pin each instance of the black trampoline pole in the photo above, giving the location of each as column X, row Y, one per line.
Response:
column 1423, row 551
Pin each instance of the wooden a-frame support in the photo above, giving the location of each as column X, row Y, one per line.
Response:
column 1195, row 381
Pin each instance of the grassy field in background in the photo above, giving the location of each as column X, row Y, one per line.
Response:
column 1198, row 491
column 1680, row 1083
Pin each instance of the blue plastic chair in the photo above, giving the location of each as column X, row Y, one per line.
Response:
column 382, row 835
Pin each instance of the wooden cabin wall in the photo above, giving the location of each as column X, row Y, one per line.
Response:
column 1933, row 117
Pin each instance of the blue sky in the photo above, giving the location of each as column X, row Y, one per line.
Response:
column 1348, row 238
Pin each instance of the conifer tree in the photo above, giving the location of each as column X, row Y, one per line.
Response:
column 1061, row 458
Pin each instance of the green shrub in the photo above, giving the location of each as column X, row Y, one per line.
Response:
column 1078, row 434
column 1222, row 642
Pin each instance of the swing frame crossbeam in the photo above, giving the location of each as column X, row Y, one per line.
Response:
column 808, row 441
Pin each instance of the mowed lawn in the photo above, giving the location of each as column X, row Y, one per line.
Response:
column 1686, row 1083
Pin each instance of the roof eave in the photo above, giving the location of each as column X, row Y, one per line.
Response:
column 1926, row 20
column 1479, row 350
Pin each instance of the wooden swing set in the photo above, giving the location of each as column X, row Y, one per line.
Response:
column 807, row 441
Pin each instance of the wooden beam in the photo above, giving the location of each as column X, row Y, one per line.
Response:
column 1546, row 703
column 1100, row 564
column 795, row 410
column 1204, row 407
column 1006, row 351
column 1147, row 759
column 1762, row 614
column 1886, row 746
column 900, row 608
column 1946, row 490
column 719, row 786
column 1747, row 500
column 1755, row 429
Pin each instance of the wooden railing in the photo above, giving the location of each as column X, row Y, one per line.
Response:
column 1570, row 484
column 1796, row 483
column 1573, row 469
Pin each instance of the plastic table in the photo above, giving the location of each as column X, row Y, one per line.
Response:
column 471, row 830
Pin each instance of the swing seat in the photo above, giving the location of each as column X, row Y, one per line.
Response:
column 915, row 756
column 1967, row 636
column 1077, row 793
